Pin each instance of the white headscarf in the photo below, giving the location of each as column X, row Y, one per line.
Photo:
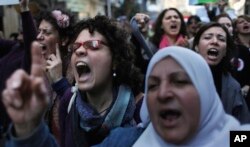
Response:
column 215, row 125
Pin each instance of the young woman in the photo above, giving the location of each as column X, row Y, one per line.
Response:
column 54, row 27
column 213, row 42
column 242, row 35
column 225, row 20
column 104, row 96
column 193, row 24
column 169, row 29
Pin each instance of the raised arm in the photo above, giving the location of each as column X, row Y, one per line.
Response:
column 29, row 33
column 26, row 100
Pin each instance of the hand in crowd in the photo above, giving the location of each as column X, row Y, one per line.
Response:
column 142, row 20
column 221, row 5
column 54, row 66
column 182, row 41
column 24, row 5
column 245, row 90
column 25, row 96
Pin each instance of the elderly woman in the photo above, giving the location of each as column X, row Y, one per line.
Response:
column 178, row 109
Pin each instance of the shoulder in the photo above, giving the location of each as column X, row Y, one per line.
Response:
column 230, row 81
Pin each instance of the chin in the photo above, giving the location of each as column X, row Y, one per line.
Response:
column 84, row 87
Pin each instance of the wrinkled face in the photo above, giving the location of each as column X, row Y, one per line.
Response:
column 171, row 23
column 48, row 37
column 213, row 45
column 227, row 23
column 173, row 102
column 243, row 26
column 91, row 63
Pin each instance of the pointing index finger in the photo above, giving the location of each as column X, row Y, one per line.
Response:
column 37, row 61
column 58, row 55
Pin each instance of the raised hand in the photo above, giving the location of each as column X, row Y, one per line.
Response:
column 25, row 96
column 54, row 66
column 24, row 5
column 182, row 41
column 142, row 20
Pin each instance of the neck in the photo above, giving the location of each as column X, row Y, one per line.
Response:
column 171, row 39
column 102, row 98
column 244, row 39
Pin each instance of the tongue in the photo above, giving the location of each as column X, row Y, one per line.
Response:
column 171, row 117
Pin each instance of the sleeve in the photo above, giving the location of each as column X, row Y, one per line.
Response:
column 29, row 35
column 240, row 110
column 40, row 137
column 6, row 46
column 61, row 86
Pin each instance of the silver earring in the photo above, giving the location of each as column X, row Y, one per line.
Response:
column 114, row 74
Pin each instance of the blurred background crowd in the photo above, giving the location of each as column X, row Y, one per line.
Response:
column 120, row 9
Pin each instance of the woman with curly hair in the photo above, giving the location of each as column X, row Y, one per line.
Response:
column 53, row 27
column 104, row 96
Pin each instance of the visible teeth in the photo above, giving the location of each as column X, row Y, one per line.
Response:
column 81, row 64
column 82, row 68
column 213, row 52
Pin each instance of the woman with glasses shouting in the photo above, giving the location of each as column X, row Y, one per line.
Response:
column 107, row 85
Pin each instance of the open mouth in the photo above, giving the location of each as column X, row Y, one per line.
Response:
column 82, row 68
column 246, row 27
column 213, row 52
column 170, row 114
column 173, row 26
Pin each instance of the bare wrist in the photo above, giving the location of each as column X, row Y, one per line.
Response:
column 24, row 130
column 24, row 9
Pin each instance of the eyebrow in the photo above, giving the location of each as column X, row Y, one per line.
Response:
column 213, row 34
column 171, row 75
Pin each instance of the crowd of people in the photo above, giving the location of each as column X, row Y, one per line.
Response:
column 68, row 82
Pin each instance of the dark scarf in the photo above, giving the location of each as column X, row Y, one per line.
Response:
column 95, row 125
column 217, row 72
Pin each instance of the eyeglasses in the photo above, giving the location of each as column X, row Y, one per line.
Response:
column 90, row 44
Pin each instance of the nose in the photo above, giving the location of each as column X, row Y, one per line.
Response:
column 40, row 36
column 81, row 51
column 214, row 40
column 173, row 18
column 165, row 92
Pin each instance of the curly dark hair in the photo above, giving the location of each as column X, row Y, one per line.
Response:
column 122, row 50
column 64, row 33
column 158, row 31
column 235, row 22
column 225, row 62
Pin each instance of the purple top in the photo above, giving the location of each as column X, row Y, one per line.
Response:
column 18, row 57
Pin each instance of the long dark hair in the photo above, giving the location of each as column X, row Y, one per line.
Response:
column 230, row 53
column 158, row 31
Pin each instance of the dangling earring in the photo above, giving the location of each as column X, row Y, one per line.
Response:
column 114, row 74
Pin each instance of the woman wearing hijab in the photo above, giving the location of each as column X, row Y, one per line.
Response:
column 178, row 109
